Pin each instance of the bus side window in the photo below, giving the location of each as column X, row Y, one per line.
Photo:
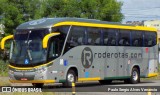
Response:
column 105, row 37
column 109, row 38
column 75, row 38
column 135, row 42
column 154, row 37
column 53, row 49
column 106, row 41
column 94, row 35
column 137, row 38
column 124, row 38
column 55, row 46
column 150, row 39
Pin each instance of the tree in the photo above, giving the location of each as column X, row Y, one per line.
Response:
column 16, row 12
column 107, row 10
column 62, row 8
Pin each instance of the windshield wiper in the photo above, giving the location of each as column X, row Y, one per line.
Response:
column 28, row 42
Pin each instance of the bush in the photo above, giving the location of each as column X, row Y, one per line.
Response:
column 3, row 68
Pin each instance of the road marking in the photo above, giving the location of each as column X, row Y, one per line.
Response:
column 149, row 92
column 73, row 89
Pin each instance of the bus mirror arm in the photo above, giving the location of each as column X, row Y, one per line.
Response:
column 3, row 41
column 46, row 39
column 4, row 52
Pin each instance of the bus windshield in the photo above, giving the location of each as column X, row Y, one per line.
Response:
column 26, row 49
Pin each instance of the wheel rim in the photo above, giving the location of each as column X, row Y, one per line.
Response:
column 135, row 75
column 70, row 77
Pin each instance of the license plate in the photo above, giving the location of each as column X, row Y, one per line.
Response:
column 24, row 79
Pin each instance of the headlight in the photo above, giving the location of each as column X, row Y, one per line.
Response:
column 11, row 72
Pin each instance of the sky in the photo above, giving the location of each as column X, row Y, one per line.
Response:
column 138, row 10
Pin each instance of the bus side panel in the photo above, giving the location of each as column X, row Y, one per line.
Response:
column 152, row 61
column 120, row 61
column 91, row 62
column 54, row 71
column 84, row 60
column 124, row 61
column 111, row 66
column 98, row 64
column 136, row 56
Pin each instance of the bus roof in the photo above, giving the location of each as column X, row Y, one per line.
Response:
column 53, row 22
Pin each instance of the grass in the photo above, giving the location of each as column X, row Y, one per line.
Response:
column 4, row 81
column 3, row 68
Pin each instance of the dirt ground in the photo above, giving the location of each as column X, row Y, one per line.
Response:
column 4, row 81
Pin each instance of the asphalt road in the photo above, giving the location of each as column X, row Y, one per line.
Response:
column 94, row 88
column 116, row 88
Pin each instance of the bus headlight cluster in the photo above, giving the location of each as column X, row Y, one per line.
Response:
column 11, row 72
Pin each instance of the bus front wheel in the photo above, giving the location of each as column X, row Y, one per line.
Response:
column 70, row 78
column 135, row 76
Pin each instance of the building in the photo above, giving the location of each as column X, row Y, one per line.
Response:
column 152, row 23
column 138, row 23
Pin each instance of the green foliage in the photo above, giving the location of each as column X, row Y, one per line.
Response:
column 62, row 8
column 15, row 12
column 3, row 68
column 107, row 10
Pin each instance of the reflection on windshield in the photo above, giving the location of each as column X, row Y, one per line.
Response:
column 23, row 49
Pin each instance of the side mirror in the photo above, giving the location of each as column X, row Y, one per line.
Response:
column 47, row 37
column 5, row 52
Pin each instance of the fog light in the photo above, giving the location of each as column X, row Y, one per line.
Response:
column 11, row 72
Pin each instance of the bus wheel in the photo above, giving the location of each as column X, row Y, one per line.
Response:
column 135, row 77
column 105, row 81
column 38, row 85
column 70, row 78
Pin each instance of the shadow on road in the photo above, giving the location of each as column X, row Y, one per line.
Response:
column 88, row 86
column 95, row 84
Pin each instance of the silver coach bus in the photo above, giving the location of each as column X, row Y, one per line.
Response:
column 65, row 50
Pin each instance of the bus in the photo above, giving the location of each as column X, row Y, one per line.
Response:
column 67, row 50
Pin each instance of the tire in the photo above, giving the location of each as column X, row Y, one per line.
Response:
column 38, row 85
column 135, row 76
column 105, row 81
column 70, row 78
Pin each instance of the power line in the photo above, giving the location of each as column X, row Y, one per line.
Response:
column 135, row 9
column 141, row 15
